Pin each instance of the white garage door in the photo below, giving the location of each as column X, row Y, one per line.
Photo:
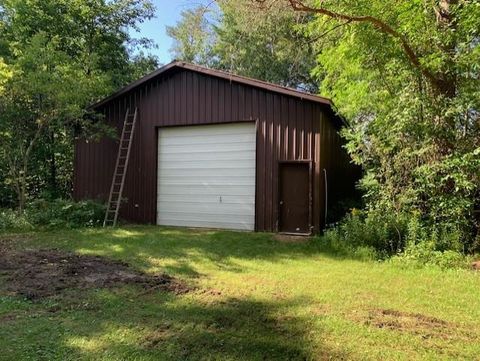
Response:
column 206, row 176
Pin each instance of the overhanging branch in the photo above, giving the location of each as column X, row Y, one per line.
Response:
column 413, row 58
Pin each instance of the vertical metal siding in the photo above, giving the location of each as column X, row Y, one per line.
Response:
column 287, row 129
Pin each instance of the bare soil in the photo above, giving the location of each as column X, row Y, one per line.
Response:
column 416, row 323
column 36, row 274
column 289, row 238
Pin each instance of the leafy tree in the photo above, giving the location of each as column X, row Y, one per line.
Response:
column 265, row 45
column 268, row 46
column 193, row 37
column 406, row 74
column 58, row 56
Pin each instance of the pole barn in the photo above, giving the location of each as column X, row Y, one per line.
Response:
column 211, row 149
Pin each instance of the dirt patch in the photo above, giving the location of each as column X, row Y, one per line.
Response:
column 36, row 274
column 7, row 318
column 158, row 336
column 416, row 323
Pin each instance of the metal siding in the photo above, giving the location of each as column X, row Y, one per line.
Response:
column 288, row 128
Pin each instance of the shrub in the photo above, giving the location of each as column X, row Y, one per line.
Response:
column 383, row 233
column 332, row 242
column 12, row 221
column 364, row 234
column 425, row 254
column 65, row 213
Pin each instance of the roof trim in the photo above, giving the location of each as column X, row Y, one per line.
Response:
column 218, row 74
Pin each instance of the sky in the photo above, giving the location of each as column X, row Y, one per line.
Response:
column 167, row 13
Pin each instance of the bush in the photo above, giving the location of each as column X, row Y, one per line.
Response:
column 65, row 213
column 12, row 221
column 385, row 234
column 425, row 254
column 372, row 234
column 331, row 242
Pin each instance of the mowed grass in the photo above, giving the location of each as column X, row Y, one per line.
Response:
column 253, row 298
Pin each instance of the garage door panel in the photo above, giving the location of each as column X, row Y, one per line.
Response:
column 182, row 222
column 212, row 130
column 202, row 172
column 208, row 179
column 215, row 141
column 220, row 164
column 218, row 190
column 207, row 148
column 211, row 156
column 201, row 198
column 242, row 210
column 206, row 176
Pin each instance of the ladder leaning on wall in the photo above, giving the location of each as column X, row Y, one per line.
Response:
column 121, row 165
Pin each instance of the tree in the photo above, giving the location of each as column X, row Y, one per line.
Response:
column 193, row 37
column 60, row 56
column 231, row 37
column 406, row 74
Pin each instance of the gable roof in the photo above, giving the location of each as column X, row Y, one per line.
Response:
column 218, row 74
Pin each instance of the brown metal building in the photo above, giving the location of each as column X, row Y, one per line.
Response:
column 194, row 162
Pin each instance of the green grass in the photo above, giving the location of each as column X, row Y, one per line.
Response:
column 255, row 299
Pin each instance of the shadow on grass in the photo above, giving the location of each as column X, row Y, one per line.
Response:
column 176, row 250
column 165, row 327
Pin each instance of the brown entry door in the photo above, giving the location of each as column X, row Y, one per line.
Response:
column 294, row 197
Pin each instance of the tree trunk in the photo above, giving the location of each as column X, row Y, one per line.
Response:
column 22, row 194
column 22, row 174
column 53, row 165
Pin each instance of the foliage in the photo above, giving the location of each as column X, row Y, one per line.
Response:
column 11, row 221
column 426, row 254
column 385, row 234
column 53, row 213
column 193, row 37
column 56, row 58
column 61, row 213
column 267, row 46
column 369, row 234
column 406, row 75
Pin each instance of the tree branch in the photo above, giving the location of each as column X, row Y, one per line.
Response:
column 298, row 5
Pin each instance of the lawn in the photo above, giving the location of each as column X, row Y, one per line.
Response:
column 250, row 297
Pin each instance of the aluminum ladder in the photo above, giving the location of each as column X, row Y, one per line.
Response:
column 121, row 166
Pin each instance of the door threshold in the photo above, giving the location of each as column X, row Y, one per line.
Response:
column 295, row 234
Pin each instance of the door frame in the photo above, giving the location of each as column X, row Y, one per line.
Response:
column 309, row 163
